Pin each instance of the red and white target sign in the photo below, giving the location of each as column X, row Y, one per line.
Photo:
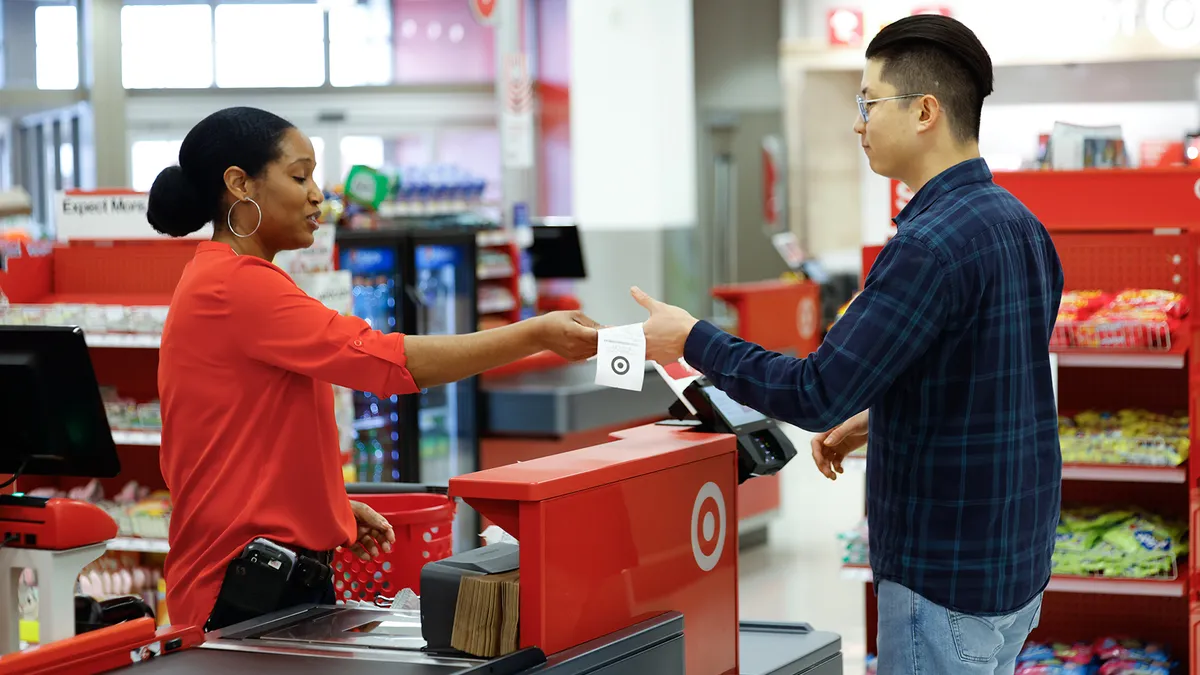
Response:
column 806, row 318
column 518, row 89
column 938, row 10
column 708, row 526
column 844, row 27
column 901, row 196
column 484, row 10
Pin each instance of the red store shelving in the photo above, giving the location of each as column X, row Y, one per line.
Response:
column 1117, row 230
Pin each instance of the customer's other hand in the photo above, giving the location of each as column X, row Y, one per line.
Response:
column 374, row 532
column 831, row 447
column 570, row 334
column 666, row 330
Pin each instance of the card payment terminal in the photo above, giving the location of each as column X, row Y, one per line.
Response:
column 763, row 448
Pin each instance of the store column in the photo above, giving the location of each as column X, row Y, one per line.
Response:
column 100, row 74
column 514, row 98
column 633, row 144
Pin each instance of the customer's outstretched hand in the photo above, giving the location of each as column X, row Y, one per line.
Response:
column 570, row 334
column 831, row 447
column 375, row 533
column 666, row 330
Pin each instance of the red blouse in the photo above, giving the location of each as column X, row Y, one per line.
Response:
column 249, row 443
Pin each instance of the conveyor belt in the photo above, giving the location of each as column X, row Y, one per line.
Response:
column 654, row 646
column 217, row 662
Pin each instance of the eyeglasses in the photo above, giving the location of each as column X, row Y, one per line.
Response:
column 863, row 103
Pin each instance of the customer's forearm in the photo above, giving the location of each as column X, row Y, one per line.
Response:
column 438, row 359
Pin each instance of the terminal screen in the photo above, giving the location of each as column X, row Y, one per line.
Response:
column 736, row 414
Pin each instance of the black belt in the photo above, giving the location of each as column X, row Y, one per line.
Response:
column 323, row 557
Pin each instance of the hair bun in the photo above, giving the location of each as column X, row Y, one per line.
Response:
column 176, row 208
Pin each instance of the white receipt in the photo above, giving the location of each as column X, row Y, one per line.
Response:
column 621, row 357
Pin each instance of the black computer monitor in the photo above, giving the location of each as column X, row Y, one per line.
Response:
column 52, row 420
column 556, row 252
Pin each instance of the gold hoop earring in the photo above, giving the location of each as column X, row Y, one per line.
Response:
column 229, row 218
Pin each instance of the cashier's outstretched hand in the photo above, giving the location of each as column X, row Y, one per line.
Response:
column 375, row 533
column 570, row 334
column 666, row 330
column 831, row 447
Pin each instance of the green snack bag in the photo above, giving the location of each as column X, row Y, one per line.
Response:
column 1068, row 563
column 1093, row 518
column 1142, row 538
column 367, row 187
column 1075, row 542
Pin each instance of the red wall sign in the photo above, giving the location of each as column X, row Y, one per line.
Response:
column 844, row 27
column 901, row 195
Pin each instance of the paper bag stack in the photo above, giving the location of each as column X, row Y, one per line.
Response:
column 488, row 616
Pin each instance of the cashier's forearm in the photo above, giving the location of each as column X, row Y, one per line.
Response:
column 439, row 359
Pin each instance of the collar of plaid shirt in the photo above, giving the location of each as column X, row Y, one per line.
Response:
column 960, row 175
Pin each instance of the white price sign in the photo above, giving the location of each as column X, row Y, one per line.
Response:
column 333, row 289
column 106, row 215
column 314, row 259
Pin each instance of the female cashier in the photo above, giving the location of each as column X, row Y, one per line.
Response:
column 249, row 444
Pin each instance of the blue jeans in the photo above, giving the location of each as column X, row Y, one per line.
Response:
column 918, row 637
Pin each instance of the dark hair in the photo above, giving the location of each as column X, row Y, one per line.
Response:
column 186, row 197
column 933, row 54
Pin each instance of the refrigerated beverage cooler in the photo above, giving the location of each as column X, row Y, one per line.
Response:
column 417, row 281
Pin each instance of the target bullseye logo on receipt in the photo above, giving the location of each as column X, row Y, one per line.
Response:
column 621, row 357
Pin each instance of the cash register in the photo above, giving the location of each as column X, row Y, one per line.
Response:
column 54, row 426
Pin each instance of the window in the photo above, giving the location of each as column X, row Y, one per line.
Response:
column 6, row 180
column 56, row 36
column 270, row 45
column 377, row 152
column 147, row 158
column 319, row 155
column 166, row 46
column 3, row 68
column 365, row 150
column 360, row 45
column 66, row 162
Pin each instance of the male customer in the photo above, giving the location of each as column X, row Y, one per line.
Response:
column 947, row 347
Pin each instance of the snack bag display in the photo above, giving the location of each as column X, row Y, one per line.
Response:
column 1075, row 307
column 1080, row 304
column 842, row 310
column 1168, row 303
column 1117, row 544
column 1135, row 437
column 1133, row 319
column 1107, row 656
column 856, row 545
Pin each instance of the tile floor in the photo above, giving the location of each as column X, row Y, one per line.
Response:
column 795, row 576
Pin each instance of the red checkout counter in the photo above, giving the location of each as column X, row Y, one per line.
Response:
column 628, row 560
column 628, row 556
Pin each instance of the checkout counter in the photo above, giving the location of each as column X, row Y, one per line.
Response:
column 628, row 564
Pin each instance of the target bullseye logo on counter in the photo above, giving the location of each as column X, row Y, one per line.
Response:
column 708, row 526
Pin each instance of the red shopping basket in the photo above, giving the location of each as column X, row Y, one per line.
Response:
column 422, row 517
